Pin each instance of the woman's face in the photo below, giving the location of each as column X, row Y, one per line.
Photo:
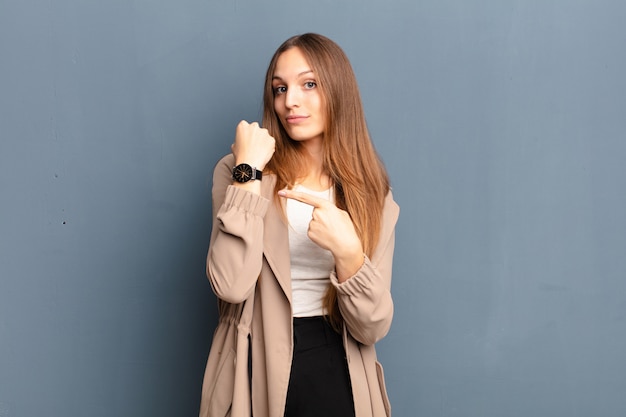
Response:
column 297, row 99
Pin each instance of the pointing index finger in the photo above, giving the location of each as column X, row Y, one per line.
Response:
column 305, row 198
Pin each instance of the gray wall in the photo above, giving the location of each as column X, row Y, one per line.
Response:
column 502, row 125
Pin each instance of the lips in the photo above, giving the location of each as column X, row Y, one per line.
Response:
column 295, row 118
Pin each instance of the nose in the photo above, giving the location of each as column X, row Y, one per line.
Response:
column 292, row 97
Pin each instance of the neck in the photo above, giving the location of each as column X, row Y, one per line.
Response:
column 316, row 178
column 314, row 150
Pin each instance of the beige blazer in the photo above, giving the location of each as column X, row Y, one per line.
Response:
column 250, row 247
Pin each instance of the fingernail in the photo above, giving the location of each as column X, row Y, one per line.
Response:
column 282, row 193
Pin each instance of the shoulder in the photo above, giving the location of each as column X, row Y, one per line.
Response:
column 390, row 214
column 391, row 209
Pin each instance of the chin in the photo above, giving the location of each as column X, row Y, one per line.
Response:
column 302, row 137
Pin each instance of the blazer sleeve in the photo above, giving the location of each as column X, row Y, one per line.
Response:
column 365, row 298
column 235, row 253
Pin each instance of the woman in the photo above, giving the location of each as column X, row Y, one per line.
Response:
column 303, row 217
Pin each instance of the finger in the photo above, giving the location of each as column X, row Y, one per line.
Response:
column 305, row 198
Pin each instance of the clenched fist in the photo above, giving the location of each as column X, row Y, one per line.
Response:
column 253, row 145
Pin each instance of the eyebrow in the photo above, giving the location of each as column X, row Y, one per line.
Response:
column 276, row 77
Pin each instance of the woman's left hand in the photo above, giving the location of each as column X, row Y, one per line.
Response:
column 332, row 229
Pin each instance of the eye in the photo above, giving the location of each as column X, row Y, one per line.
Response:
column 310, row 85
column 281, row 89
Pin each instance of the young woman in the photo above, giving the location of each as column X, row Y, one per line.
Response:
column 303, row 216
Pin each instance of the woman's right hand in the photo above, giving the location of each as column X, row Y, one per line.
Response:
column 253, row 145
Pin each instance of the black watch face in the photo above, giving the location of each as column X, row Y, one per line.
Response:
column 242, row 173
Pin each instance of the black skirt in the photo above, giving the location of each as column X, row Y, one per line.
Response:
column 319, row 384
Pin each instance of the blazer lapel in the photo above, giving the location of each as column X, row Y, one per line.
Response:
column 276, row 238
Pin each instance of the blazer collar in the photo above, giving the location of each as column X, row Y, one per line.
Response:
column 276, row 238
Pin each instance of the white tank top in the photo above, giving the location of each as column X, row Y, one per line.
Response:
column 310, row 265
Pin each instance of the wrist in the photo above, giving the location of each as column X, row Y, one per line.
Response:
column 348, row 265
column 254, row 163
column 243, row 173
column 251, row 186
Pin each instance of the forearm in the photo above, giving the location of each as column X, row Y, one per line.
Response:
column 235, row 253
column 365, row 303
column 364, row 298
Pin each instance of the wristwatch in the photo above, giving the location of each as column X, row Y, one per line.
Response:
column 244, row 173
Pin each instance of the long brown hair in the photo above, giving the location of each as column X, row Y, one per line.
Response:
column 355, row 169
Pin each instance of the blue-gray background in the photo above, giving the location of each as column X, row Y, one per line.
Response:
column 501, row 123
